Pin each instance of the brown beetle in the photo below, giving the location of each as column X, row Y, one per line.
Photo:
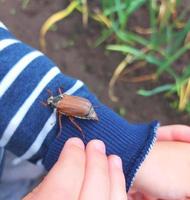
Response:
column 72, row 106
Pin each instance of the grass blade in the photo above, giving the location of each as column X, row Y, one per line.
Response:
column 54, row 19
column 156, row 90
column 139, row 54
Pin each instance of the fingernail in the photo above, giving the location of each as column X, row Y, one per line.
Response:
column 117, row 162
column 76, row 142
column 99, row 145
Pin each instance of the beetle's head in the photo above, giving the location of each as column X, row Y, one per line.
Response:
column 52, row 101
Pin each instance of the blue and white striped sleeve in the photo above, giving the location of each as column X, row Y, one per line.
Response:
column 29, row 130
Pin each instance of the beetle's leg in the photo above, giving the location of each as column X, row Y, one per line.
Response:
column 44, row 104
column 96, row 106
column 76, row 125
column 60, row 124
column 62, row 88
column 49, row 92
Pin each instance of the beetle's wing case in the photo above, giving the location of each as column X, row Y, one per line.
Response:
column 92, row 114
column 74, row 106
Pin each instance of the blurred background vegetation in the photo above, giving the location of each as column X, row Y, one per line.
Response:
column 151, row 37
column 158, row 43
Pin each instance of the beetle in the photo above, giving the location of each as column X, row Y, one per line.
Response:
column 72, row 107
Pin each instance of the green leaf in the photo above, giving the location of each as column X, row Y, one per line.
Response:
column 135, row 52
column 110, row 10
column 25, row 3
column 105, row 35
column 131, row 37
column 134, row 5
column 121, row 14
column 156, row 90
column 167, row 63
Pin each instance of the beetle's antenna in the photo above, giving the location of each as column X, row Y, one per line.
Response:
column 59, row 90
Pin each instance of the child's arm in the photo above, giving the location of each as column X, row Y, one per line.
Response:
column 165, row 174
column 29, row 130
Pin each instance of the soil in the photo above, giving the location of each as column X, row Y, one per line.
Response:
column 71, row 47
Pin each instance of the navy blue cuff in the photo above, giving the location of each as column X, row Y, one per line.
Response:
column 131, row 142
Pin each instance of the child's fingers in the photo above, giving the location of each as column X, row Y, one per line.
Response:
column 140, row 196
column 174, row 133
column 117, row 179
column 71, row 168
column 65, row 179
column 96, row 182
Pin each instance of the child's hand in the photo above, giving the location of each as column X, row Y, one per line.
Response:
column 174, row 133
column 165, row 174
column 83, row 174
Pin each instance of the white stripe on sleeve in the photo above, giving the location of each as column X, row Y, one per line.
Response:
column 16, row 70
column 35, row 147
column 39, row 140
column 20, row 114
column 75, row 87
column 7, row 42
column 3, row 26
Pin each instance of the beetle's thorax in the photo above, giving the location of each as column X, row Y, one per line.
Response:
column 53, row 101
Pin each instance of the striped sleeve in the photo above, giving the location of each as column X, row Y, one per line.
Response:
column 29, row 130
column 22, row 89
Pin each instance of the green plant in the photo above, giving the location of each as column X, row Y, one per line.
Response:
column 24, row 3
column 160, row 45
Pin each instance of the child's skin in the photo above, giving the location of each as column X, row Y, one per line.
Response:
column 165, row 133
column 174, row 133
column 83, row 174
column 165, row 173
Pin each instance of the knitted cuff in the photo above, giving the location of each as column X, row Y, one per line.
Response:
column 29, row 130
column 131, row 142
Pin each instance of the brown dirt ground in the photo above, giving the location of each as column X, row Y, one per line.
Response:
column 71, row 47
